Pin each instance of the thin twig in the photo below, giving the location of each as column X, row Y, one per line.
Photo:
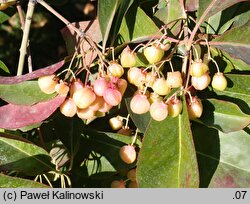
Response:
column 22, row 21
column 26, row 31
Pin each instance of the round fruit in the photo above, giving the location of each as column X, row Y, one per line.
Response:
column 68, row 108
column 158, row 110
column 122, row 85
column 174, row 107
column 112, row 96
column 161, row 87
column 174, row 79
column 128, row 154
column 194, row 108
column 153, row 53
column 76, row 85
column 165, row 45
column 118, row 184
column 133, row 184
column 100, row 86
column 97, row 104
column 62, row 89
column 219, row 82
column 198, row 68
column 136, row 76
column 115, row 69
column 116, row 122
column 128, row 58
column 85, row 113
column 105, row 108
column 150, row 78
column 132, row 174
column 84, row 97
column 202, row 82
column 139, row 104
column 154, row 97
column 47, row 84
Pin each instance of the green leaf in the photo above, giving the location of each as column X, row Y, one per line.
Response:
column 4, row 67
column 167, row 157
column 136, row 26
column 171, row 14
column 6, row 14
column 214, row 6
column 25, row 93
column 223, row 115
column 106, row 14
column 20, row 155
column 227, row 63
column 237, row 91
column 223, row 158
column 14, row 182
column 236, row 42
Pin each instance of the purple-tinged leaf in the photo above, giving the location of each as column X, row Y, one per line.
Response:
column 192, row 5
column 14, row 116
column 33, row 75
column 236, row 42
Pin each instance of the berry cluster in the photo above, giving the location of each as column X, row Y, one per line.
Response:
column 87, row 101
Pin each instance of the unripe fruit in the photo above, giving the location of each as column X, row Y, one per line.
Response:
column 128, row 58
column 68, row 108
column 128, row 154
column 174, row 107
column 116, row 122
column 136, row 76
column 161, row 87
column 105, row 108
column 76, row 85
column 150, row 78
column 100, row 86
column 158, row 111
column 97, row 104
column 154, row 97
column 47, row 84
column 139, row 104
column 132, row 174
column 118, row 184
column 219, row 82
column 174, row 79
column 112, row 96
column 153, row 54
column 165, row 45
column 133, row 184
column 194, row 108
column 122, row 85
column 115, row 69
column 202, row 82
column 84, row 97
column 62, row 89
column 85, row 113
column 198, row 68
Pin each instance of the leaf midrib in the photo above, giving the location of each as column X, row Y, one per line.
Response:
column 26, row 153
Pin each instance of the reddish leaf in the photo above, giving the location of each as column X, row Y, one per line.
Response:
column 14, row 116
column 92, row 29
column 33, row 75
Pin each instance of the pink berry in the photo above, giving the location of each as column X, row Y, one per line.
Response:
column 97, row 104
column 112, row 96
column 202, row 82
column 194, row 108
column 174, row 79
column 68, row 108
column 47, row 84
column 84, row 97
column 139, row 104
column 76, row 85
column 158, row 110
column 100, row 86
column 128, row 154
column 122, row 85
column 136, row 76
column 115, row 69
